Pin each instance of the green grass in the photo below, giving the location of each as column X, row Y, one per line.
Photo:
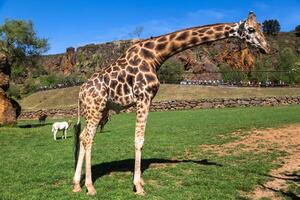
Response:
column 34, row 166
column 67, row 97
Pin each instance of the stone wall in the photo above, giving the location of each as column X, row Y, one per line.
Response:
column 182, row 105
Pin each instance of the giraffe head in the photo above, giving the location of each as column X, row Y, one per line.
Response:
column 250, row 31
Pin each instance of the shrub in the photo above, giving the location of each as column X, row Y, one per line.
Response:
column 31, row 85
column 230, row 74
column 49, row 80
column 14, row 91
column 261, row 66
column 38, row 70
column 18, row 71
column 171, row 71
column 287, row 61
column 73, row 80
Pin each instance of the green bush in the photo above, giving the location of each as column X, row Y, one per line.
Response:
column 38, row 70
column 50, row 80
column 287, row 61
column 31, row 85
column 14, row 91
column 171, row 71
column 229, row 74
column 73, row 79
column 18, row 71
column 261, row 66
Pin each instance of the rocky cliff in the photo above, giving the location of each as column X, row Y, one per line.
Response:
column 201, row 61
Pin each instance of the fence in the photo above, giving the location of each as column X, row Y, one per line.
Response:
column 235, row 77
column 238, row 78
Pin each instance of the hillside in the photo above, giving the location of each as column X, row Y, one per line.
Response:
column 205, row 58
column 67, row 97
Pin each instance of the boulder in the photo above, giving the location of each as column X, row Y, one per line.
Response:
column 9, row 109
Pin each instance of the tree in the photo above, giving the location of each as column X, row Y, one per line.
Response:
column 271, row 27
column 287, row 61
column 261, row 68
column 137, row 32
column 297, row 30
column 18, row 44
column 18, row 41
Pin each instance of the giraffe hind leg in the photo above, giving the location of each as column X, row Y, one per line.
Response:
column 88, row 142
column 141, row 120
column 77, row 175
column 92, row 122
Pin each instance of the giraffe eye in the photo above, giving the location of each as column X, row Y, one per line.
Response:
column 251, row 30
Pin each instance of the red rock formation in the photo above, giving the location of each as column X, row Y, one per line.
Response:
column 68, row 60
column 239, row 57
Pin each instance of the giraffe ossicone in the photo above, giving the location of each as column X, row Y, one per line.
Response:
column 132, row 80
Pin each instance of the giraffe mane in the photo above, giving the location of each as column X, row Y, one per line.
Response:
column 195, row 27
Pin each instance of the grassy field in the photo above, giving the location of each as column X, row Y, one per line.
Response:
column 34, row 166
column 67, row 97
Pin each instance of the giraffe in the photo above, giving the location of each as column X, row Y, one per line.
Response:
column 132, row 80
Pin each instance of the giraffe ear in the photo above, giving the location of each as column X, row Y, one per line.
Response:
column 251, row 17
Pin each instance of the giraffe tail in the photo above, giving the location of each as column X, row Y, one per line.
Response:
column 77, row 129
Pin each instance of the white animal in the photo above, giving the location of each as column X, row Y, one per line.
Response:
column 60, row 126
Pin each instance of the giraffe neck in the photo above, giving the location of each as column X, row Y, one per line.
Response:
column 173, row 43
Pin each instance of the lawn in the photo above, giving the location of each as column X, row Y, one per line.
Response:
column 34, row 166
column 67, row 97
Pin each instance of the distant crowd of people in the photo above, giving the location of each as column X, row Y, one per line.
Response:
column 209, row 82
column 241, row 83
column 59, row 85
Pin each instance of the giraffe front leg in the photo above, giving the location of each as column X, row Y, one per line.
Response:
column 141, row 120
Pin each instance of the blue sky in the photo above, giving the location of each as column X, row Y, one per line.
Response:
column 78, row 22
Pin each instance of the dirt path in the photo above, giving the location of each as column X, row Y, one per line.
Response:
column 285, row 139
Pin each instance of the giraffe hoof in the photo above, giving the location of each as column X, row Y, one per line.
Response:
column 91, row 191
column 77, row 188
column 139, row 189
column 140, row 193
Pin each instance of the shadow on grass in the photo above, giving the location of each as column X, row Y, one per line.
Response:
column 289, row 194
column 106, row 168
column 60, row 138
column 33, row 125
column 292, row 178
